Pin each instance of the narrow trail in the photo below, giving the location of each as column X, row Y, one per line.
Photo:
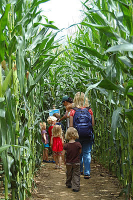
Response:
column 50, row 185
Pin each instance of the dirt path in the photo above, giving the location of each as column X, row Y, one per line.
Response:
column 50, row 185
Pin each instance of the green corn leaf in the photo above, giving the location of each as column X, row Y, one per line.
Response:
column 107, row 84
column 42, row 72
column 2, row 99
column 95, row 67
column 91, row 87
column 92, row 51
column 126, row 61
column 115, row 120
column 129, row 114
column 12, row 46
column 6, row 82
column 130, row 84
column 130, row 95
column 104, row 29
column 4, row 18
column 2, row 113
column 4, row 147
column 121, row 47
column 0, row 81
column 47, row 25
column 36, row 2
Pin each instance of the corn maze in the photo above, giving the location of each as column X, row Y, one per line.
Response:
column 36, row 71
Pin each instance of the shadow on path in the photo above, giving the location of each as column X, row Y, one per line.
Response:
column 50, row 185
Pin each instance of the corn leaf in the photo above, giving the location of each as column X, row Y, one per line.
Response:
column 121, row 47
column 115, row 120
column 6, row 82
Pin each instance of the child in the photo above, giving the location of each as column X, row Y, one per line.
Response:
column 57, row 145
column 52, row 121
column 73, row 151
column 57, row 115
column 45, row 142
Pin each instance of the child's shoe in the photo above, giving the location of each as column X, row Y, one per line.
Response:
column 47, row 161
column 74, row 190
column 69, row 186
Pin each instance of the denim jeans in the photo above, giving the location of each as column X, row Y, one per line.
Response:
column 85, row 156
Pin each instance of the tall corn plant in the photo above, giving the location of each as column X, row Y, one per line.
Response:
column 103, row 47
column 26, row 45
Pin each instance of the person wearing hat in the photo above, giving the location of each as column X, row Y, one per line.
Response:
column 67, row 101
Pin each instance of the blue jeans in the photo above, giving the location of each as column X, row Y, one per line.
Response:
column 85, row 156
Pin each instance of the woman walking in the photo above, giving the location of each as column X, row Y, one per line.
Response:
column 86, row 137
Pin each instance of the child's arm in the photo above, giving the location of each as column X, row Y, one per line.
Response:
column 51, row 141
column 44, row 137
column 62, row 140
column 63, row 156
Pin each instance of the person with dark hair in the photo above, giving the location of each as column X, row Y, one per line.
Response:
column 67, row 101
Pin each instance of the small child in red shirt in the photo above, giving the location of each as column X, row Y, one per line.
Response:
column 57, row 145
column 73, row 151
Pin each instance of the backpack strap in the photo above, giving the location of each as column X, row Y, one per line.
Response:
column 75, row 108
column 88, row 108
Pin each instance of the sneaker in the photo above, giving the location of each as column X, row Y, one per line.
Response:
column 51, row 161
column 56, row 166
column 47, row 161
column 69, row 186
column 74, row 190
column 86, row 176
column 81, row 173
column 44, row 160
column 60, row 167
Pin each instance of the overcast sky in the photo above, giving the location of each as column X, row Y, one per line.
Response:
column 63, row 12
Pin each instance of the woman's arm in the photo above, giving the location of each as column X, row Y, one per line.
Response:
column 71, row 121
column 64, row 117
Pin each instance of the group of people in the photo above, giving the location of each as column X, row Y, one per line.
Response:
column 76, row 150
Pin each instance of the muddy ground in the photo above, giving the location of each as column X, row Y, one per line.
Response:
column 50, row 185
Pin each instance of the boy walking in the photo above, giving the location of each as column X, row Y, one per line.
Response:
column 73, row 151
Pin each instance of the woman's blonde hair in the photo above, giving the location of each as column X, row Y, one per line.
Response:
column 43, row 125
column 51, row 119
column 57, row 131
column 80, row 100
column 71, row 133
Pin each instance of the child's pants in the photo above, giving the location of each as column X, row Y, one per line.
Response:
column 73, row 175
